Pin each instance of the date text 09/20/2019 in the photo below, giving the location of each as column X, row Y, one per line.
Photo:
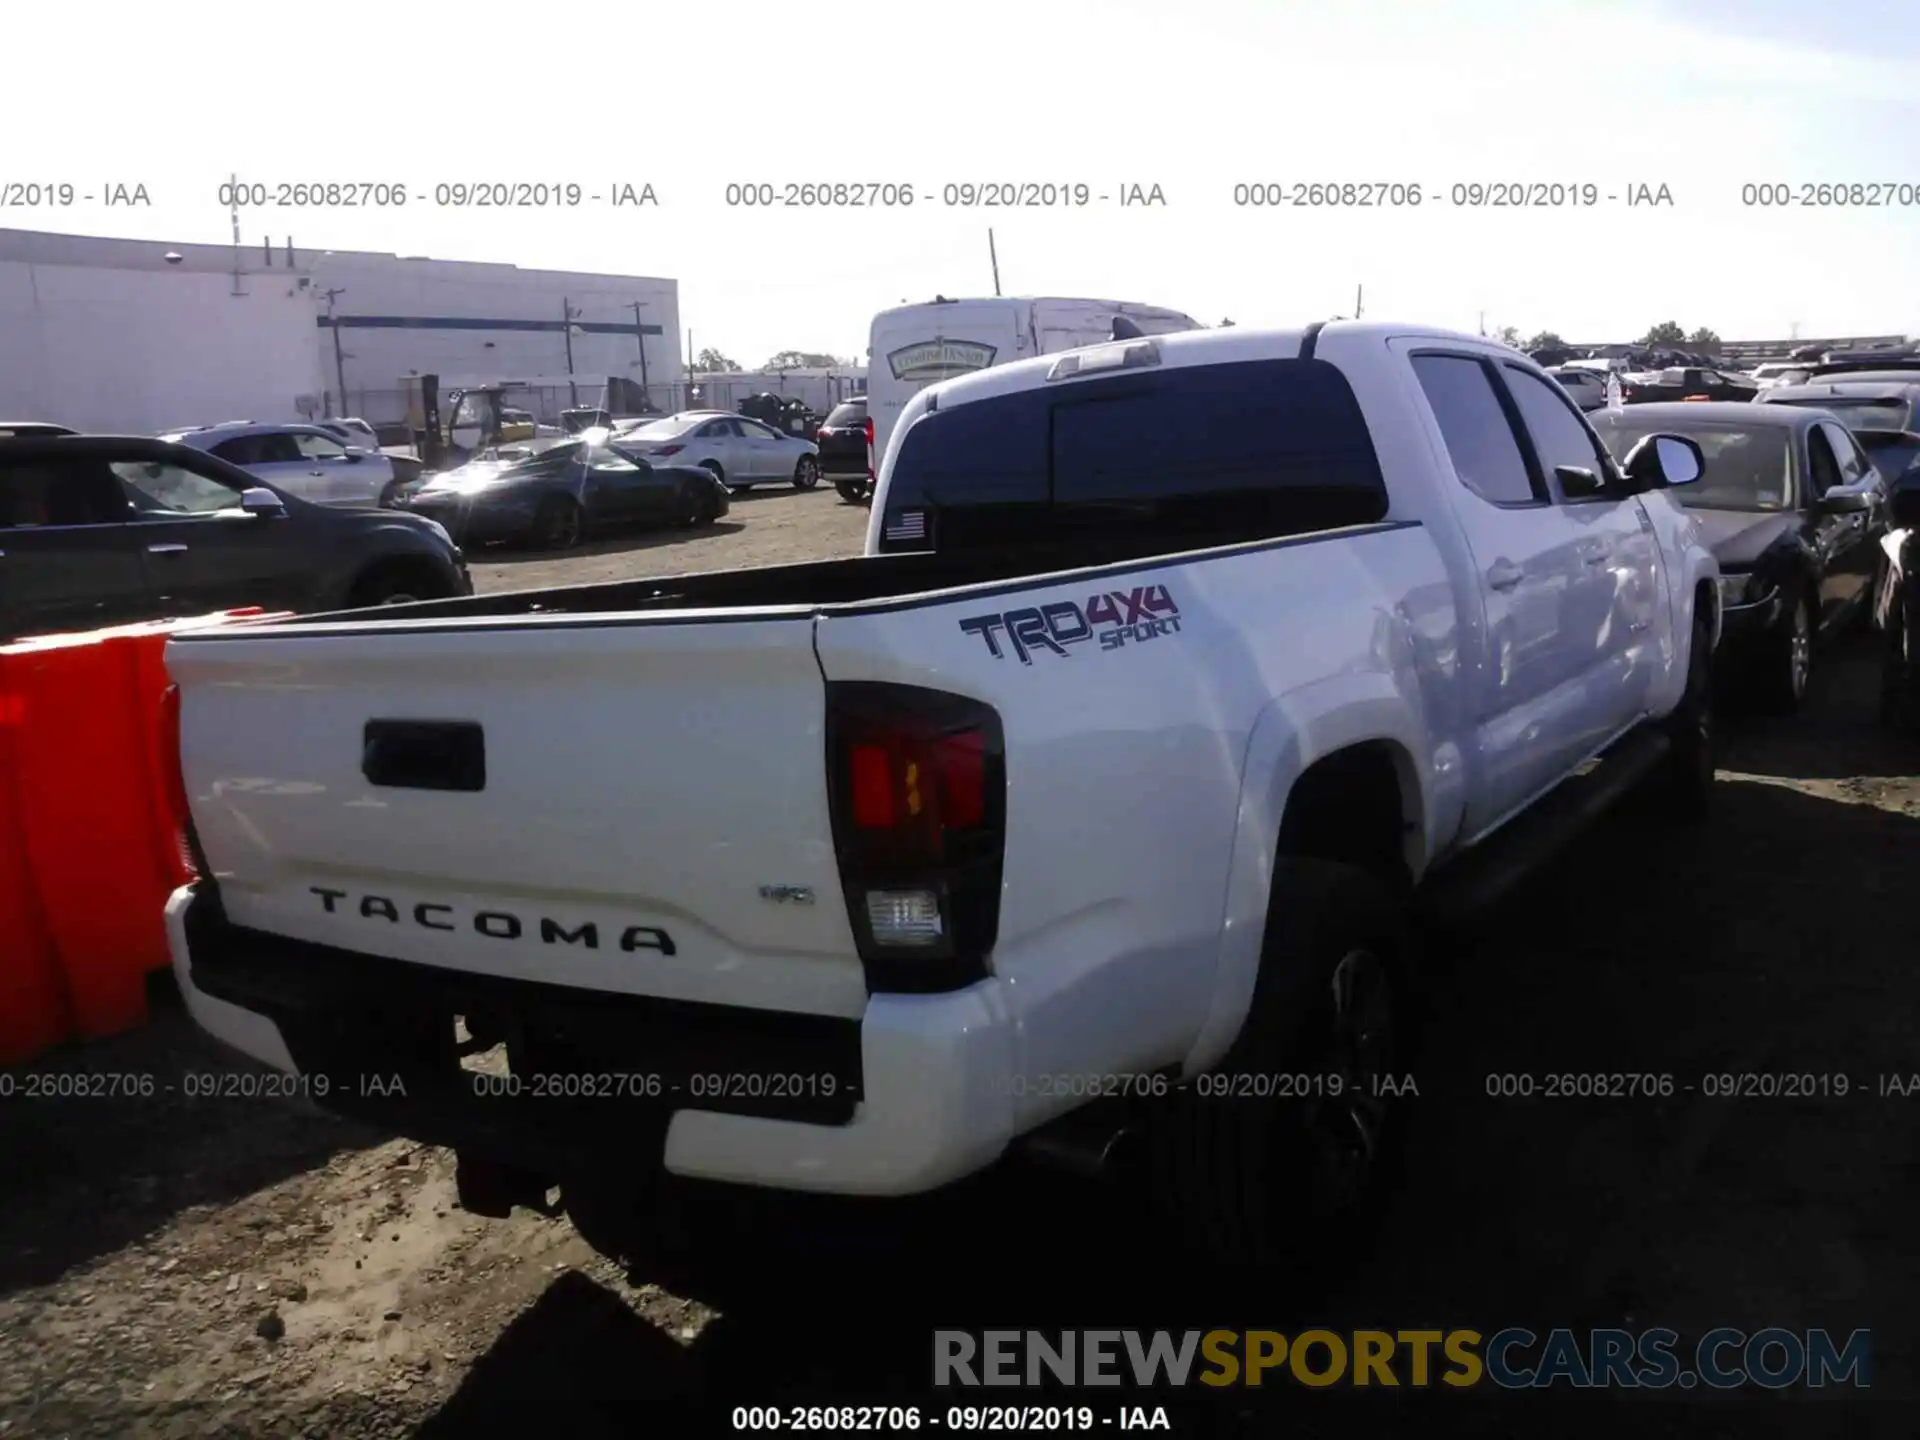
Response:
column 953, row 1419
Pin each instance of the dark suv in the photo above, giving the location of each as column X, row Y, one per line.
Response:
column 845, row 439
column 103, row 530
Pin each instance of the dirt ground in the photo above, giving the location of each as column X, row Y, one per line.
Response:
column 766, row 526
column 185, row 1266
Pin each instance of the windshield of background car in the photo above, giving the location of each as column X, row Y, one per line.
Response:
column 1748, row 468
column 848, row 412
column 1860, row 412
column 551, row 461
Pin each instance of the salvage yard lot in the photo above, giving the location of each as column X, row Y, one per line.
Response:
column 187, row 1266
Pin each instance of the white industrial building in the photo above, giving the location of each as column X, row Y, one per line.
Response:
column 142, row 335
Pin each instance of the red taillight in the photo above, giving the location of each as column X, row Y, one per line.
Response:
column 871, row 777
column 669, row 449
column 917, row 788
column 872, row 473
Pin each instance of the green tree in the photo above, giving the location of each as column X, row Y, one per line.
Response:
column 1704, row 339
column 1546, row 340
column 804, row 360
column 1667, row 332
column 711, row 362
column 1509, row 336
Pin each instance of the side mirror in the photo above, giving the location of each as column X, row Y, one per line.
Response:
column 1662, row 461
column 355, row 455
column 1847, row 499
column 262, row 503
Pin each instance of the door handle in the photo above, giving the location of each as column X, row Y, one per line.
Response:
column 1503, row 575
column 317, row 472
column 166, row 549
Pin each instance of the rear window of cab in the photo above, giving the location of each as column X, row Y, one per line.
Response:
column 1236, row 451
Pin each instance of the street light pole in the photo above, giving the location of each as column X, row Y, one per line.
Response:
column 640, row 339
column 567, row 315
column 339, row 360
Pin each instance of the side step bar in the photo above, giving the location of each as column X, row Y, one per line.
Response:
column 1498, row 864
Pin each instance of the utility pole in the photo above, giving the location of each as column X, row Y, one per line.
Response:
column 339, row 360
column 567, row 315
column 233, row 197
column 1358, row 290
column 640, row 338
column 994, row 256
column 1483, row 324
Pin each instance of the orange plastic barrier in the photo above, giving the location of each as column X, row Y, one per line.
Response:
column 100, row 849
column 33, row 1001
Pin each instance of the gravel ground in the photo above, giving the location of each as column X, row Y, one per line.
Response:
column 179, row 1266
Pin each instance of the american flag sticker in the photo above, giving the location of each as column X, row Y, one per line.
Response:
column 907, row 525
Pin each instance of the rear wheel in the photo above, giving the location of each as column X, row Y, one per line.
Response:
column 855, row 492
column 704, row 509
column 558, row 523
column 806, row 473
column 1278, row 1157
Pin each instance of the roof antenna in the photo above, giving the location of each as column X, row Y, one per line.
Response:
column 1125, row 329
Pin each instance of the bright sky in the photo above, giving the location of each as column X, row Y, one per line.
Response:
column 1702, row 96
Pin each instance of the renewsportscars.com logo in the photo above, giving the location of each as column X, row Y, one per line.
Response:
column 1114, row 618
column 1512, row 1359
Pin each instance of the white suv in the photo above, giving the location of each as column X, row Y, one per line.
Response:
column 304, row 460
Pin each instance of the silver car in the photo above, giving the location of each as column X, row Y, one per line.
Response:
column 741, row 452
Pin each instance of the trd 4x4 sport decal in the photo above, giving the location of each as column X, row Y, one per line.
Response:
column 1115, row 618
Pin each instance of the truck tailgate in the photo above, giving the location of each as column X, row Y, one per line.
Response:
column 652, row 815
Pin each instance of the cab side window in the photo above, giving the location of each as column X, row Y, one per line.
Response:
column 50, row 493
column 1479, row 439
column 1853, row 465
column 1823, row 467
column 1570, row 456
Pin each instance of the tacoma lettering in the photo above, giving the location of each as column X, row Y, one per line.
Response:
column 494, row 924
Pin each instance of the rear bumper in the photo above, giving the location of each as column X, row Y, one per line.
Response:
column 912, row 1095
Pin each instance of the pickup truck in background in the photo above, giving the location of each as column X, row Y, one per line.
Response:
column 1098, row 800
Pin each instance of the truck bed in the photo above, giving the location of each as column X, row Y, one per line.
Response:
column 809, row 585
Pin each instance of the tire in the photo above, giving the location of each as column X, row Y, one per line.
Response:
column 806, row 473
column 855, row 492
column 558, row 524
column 398, row 585
column 713, row 466
column 1295, row 1181
column 1683, row 786
column 1786, row 666
column 704, row 512
column 388, row 493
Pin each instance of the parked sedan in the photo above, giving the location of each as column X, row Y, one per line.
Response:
column 304, row 460
column 1587, row 387
column 740, row 452
column 1882, row 412
column 556, row 495
column 103, row 530
column 1794, row 512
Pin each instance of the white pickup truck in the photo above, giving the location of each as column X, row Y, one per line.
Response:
column 1097, row 799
